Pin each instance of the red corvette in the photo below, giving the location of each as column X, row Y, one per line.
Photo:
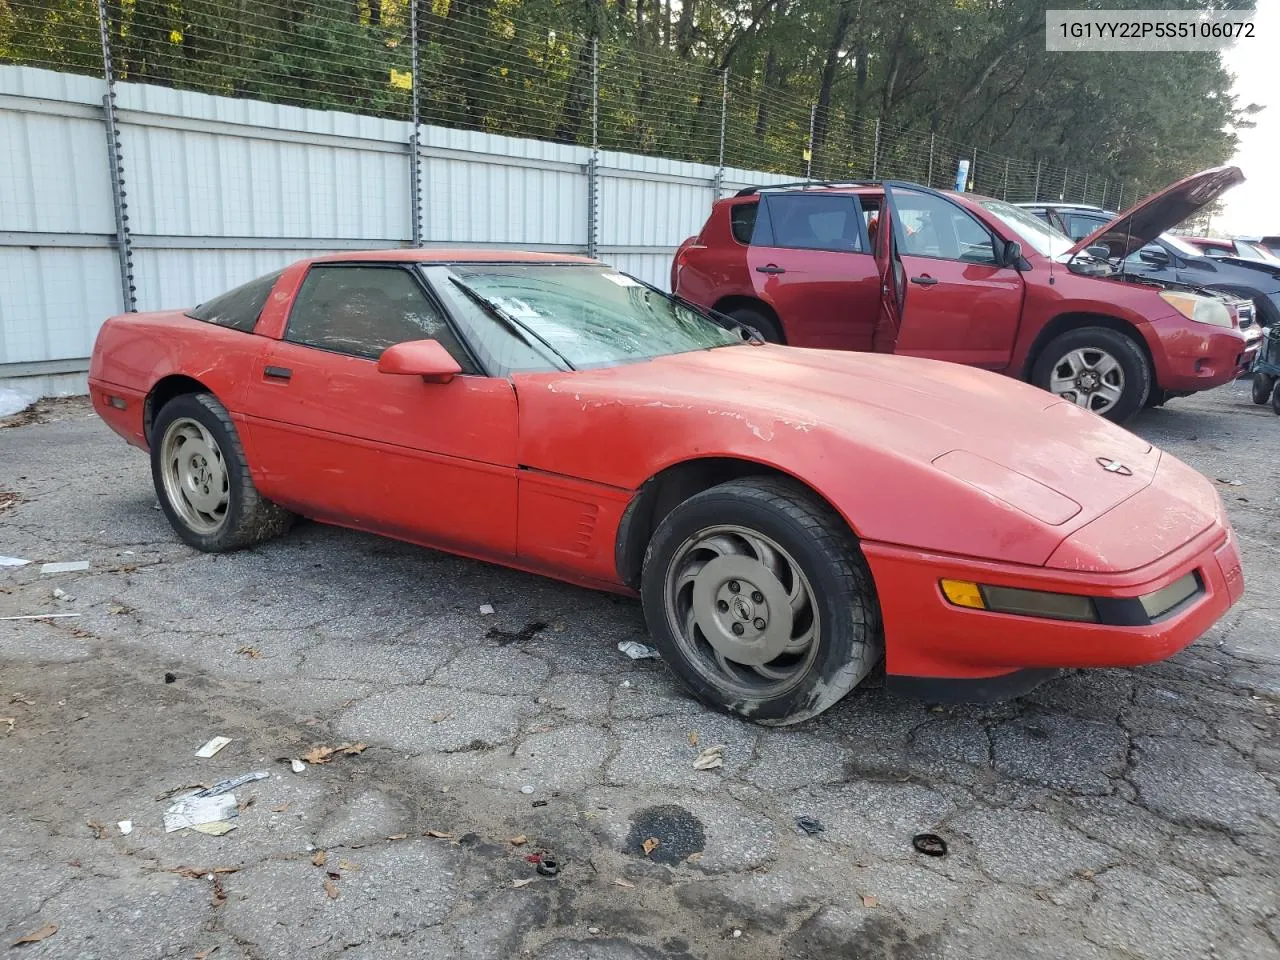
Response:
column 787, row 516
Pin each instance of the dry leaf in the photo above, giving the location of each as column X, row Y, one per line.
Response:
column 347, row 865
column 519, row 841
column 10, row 721
column 870, row 901
column 710, row 758
column 253, row 653
column 353, row 748
column 219, row 895
column 439, row 834
column 318, row 754
column 442, row 715
column 44, row 933
column 204, row 953
column 280, row 809
column 693, row 738
column 98, row 829
column 397, row 836
column 651, row 845
column 521, row 883
column 331, row 889
column 244, row 805
column 618, row 881
column 319, row 859
column 693, row 857
column 22, row 698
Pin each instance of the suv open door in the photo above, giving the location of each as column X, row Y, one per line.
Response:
column 954, row 291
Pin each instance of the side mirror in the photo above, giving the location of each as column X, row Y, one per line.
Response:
column 420, row 358
column 1012, row 254
column 1157, row 258
column 1099, row 251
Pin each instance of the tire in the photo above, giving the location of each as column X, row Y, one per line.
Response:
column 194, row 440
column 763, row 324
column 736, row 526
column 1123, row 386
column 1263, row 384
column 1275, row 401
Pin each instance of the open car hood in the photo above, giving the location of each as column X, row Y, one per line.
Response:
column 1142, row 223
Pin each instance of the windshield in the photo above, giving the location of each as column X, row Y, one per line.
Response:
column 1043, row 239
column 1184, row 248
column 570, row 316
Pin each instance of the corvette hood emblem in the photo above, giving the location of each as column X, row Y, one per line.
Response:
column 1114, row 466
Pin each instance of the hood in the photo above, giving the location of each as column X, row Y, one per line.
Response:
column 894, row 433
column 1142, row 223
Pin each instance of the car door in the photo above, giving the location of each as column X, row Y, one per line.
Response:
column 810, row 259
column 942, row 273
column 338, row 440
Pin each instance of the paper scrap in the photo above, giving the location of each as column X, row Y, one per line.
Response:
column 212, row 747
column 192, row 811
column 125, row 827
column 13, row 562
column 66, row 566
column 216, row 829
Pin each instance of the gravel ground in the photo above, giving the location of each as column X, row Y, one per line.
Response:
column 1109, row 814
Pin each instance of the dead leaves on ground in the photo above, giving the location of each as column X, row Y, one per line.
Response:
column 650, row 845
column 519, row 841
column 439, row 834
column 320, row 858
column 44, row 933
column 331, row 889
column 869, row 901
column 248, row 652
column 99, row 831
column 521, row 883
column 326, row 754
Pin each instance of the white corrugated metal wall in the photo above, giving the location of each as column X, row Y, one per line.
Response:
column 221, row 190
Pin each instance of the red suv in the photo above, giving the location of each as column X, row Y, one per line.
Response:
column 973, row 280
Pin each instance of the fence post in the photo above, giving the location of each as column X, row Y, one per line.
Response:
column 1004, row 191
column 1084, row 194
column 928, row 180
column 115, row 164
column 1063, row 196
column 724, row 114
column 875, row 153
column 1120, row 198
column 973, row 171
column 808, row 163
column 1105, row 184
column 593, row 165
column 415, row 161
column 1035, row 191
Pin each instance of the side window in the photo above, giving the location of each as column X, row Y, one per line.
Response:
column 238, row 308
column 742, row 220
column 1079, row 227
column 363, row 310
column 929, row 226
column 830, row 222
column 1151, row 249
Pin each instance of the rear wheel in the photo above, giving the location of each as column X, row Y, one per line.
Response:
column 1275, row 401
column 760, row 600
column 1263, row 384
column 1097, row 368
column 765, row 326
column 202, row 478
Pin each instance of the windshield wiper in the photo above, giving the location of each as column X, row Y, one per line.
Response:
column 510, row 321
column 715, row 316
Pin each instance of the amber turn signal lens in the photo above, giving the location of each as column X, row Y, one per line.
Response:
column 964, row 594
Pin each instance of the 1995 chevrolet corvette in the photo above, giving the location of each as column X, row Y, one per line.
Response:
column 787, row 516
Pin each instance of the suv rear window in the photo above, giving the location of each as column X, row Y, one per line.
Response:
column 238, row 308
column 742, row 219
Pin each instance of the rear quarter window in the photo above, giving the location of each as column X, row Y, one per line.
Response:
column 239, row 308
column 742, row 220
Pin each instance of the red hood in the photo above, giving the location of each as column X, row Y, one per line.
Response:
column 1145, row 221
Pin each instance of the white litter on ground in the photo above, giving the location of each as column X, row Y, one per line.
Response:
column 65, row 566
column 13, row 562
column 14, row 401
column 212, row 747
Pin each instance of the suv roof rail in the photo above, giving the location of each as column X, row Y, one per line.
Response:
column 1057, row 205
column 806, row 185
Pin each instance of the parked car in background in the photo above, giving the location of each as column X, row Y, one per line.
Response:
column 1234, row 249
column 972, row 280
column 1270, row 244
column 551, row 414
column 1180, row 259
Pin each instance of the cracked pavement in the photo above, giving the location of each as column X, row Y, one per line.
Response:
column 1109, row 814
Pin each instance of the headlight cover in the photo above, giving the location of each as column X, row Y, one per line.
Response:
column 1200, row 309
column 1023, row 603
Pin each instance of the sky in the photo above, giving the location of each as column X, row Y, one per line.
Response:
column 1253, row 208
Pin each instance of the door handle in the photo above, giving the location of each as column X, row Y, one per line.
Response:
column 277, row 373
column 924, row 280
column 771, row 268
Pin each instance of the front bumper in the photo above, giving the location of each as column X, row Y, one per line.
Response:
column 1192, row 356
column 928, row 637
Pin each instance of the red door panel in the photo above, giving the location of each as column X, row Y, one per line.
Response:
column 962, row 312
column 431, row 462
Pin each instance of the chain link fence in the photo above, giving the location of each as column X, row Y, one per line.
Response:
column 483, row 66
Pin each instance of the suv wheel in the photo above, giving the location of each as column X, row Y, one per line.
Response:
column 763, row 325
column 1097, row 368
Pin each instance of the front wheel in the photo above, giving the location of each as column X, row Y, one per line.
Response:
column 760, row 601
column 1097, row 368
column 202, row 478
column 1263, row 384
column 759, row 323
